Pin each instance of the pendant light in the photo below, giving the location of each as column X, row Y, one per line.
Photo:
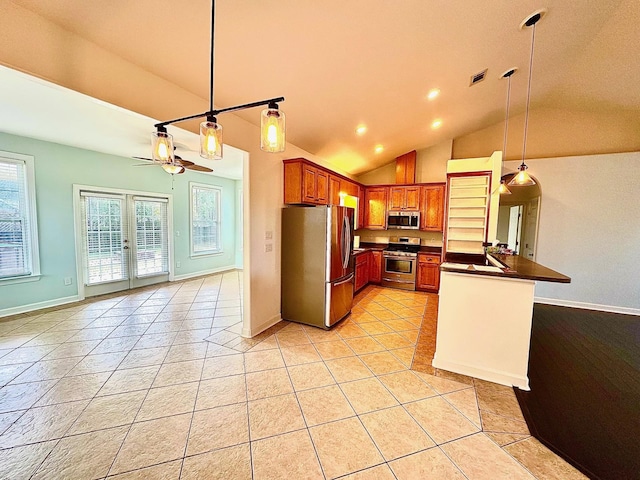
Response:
column 503, row 189
column 272, row 129
column 162, row 146
column 522, row 178
column 272, row 121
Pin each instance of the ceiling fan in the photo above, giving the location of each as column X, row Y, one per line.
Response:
column 176, row 167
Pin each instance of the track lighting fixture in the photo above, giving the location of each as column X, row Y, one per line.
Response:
column 272, row 121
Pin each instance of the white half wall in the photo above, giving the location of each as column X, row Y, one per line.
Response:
column 590, row 228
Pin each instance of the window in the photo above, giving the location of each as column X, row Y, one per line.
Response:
column 18, row 232
column 205, row 219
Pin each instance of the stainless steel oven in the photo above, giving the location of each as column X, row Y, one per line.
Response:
column 399, row 269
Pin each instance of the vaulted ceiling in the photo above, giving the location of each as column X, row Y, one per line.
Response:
column 344, row 63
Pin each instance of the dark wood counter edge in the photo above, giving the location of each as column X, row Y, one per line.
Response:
column 368, row 247
column 518, row 267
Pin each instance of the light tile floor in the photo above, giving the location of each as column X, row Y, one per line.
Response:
column 126, row 387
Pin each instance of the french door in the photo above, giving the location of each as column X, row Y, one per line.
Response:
column 125, row 241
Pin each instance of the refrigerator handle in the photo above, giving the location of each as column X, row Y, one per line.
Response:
column 347, row 280
column 346, row 242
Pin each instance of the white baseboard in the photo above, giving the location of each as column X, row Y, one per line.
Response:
column 253, row 331
column 587, row 306
column 186, row 276
column 39, row 305
column 503, row 378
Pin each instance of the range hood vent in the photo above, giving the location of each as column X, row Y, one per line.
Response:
column 478, row 77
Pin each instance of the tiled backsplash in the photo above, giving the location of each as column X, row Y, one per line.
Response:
column 430, row 239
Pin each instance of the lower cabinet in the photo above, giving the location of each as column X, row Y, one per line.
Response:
column 428, row 278
column 375, row 267
column 362, row 270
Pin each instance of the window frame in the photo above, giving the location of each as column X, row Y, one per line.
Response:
column 219, row 250
column 32, row 215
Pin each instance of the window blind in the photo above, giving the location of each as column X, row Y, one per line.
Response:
column 15, row 221
column 151, row 246
column 205, row 220
column 104, row 238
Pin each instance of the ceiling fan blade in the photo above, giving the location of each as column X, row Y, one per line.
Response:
column 146, row 165
column 184, row 163
column 144, row 158
column 198, row 168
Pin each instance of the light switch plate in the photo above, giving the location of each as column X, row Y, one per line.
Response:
column 268, row 235
column 268, row 247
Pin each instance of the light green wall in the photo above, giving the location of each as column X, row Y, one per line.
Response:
column 57, row 168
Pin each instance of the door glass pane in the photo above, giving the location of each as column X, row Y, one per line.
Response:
column 398, row 266
column 152, row 253
column 104, row 240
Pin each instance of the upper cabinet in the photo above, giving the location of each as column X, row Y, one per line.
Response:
column 406, row 168
column 305, row 183
column 375, row 208
column 334, row 190
column 404, row 198
column 432, row 207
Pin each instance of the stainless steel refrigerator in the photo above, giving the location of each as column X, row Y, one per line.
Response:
column 317, row 266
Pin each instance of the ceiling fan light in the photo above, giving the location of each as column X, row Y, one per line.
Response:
column 211, row 139
column 172, row 168
column 522, row 178
column 272, row 129
column 162, row 146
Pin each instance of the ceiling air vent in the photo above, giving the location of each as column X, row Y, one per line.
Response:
column 478, row 77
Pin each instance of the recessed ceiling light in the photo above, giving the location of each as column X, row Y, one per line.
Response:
column 433, row 93
column 361, row 130
column 436, row 124
column 379, row 149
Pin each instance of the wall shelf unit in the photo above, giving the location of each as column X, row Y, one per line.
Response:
column 467, row 212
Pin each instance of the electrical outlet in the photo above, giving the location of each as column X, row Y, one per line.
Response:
column 68, row 281
column 268, row 235
column 268, row 247
column 177, row 264
column 177, row 233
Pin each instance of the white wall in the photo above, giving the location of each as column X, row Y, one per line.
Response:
column 590, row 229
column 431, row 167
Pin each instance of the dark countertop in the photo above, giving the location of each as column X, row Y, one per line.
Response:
column 515, row 266
column 370, row 247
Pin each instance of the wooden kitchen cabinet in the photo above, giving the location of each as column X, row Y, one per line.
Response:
column 375, row 267
column 362, row 270
column 404, row 198
column 432, row 208
column 349, row 188
column 428, row 276
column 305, row 183
column 334, row 190
column 406, row 168
column 375, row 208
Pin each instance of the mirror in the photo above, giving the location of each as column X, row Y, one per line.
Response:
column 518, row 218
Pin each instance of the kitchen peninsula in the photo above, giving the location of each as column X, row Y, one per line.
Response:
column 484, row 316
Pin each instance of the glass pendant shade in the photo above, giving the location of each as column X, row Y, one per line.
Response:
column 272, row 130
column 173, row 169
column 211, row 140
column 522, row 178
column 162, row 147
column 503, row 189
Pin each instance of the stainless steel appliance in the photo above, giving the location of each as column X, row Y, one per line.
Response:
column 317, row 268
column 400, row 263
column 403, row 220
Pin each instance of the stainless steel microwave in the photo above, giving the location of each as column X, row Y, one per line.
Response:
column 403, row 220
